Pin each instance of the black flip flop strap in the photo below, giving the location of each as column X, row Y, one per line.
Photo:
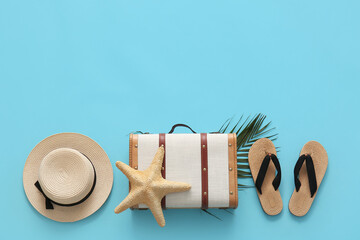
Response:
column 310, row 172
column 263, row 169
column 49, row 203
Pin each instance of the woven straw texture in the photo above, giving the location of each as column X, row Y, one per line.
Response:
column 183, row 164
column 41, row 165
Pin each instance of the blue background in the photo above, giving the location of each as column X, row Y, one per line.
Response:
column 106, row 68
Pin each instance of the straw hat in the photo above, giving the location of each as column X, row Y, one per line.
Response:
column 67, row 177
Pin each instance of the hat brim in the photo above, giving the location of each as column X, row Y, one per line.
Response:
column 98, row 157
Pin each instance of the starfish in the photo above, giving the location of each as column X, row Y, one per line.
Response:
column 149, row 187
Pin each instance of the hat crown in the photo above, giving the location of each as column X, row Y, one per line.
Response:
column 66, row 175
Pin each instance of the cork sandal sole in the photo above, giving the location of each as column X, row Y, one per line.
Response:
column 301, row 200
column 270, row 198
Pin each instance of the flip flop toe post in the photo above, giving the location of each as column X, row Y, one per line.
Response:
column 266, row 172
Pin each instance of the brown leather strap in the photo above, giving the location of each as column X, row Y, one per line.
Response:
column 162, row 143
column 204, row 171
column 180, row 125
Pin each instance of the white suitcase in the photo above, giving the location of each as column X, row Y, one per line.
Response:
column 207, row 161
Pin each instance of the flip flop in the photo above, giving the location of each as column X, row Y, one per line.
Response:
column 308, row 174
column 264, row 164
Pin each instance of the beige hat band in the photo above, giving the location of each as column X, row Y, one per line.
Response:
column 49, row 202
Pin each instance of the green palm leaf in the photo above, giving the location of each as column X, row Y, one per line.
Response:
column 248, row 131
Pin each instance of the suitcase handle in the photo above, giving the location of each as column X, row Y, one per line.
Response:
column 180, row 125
